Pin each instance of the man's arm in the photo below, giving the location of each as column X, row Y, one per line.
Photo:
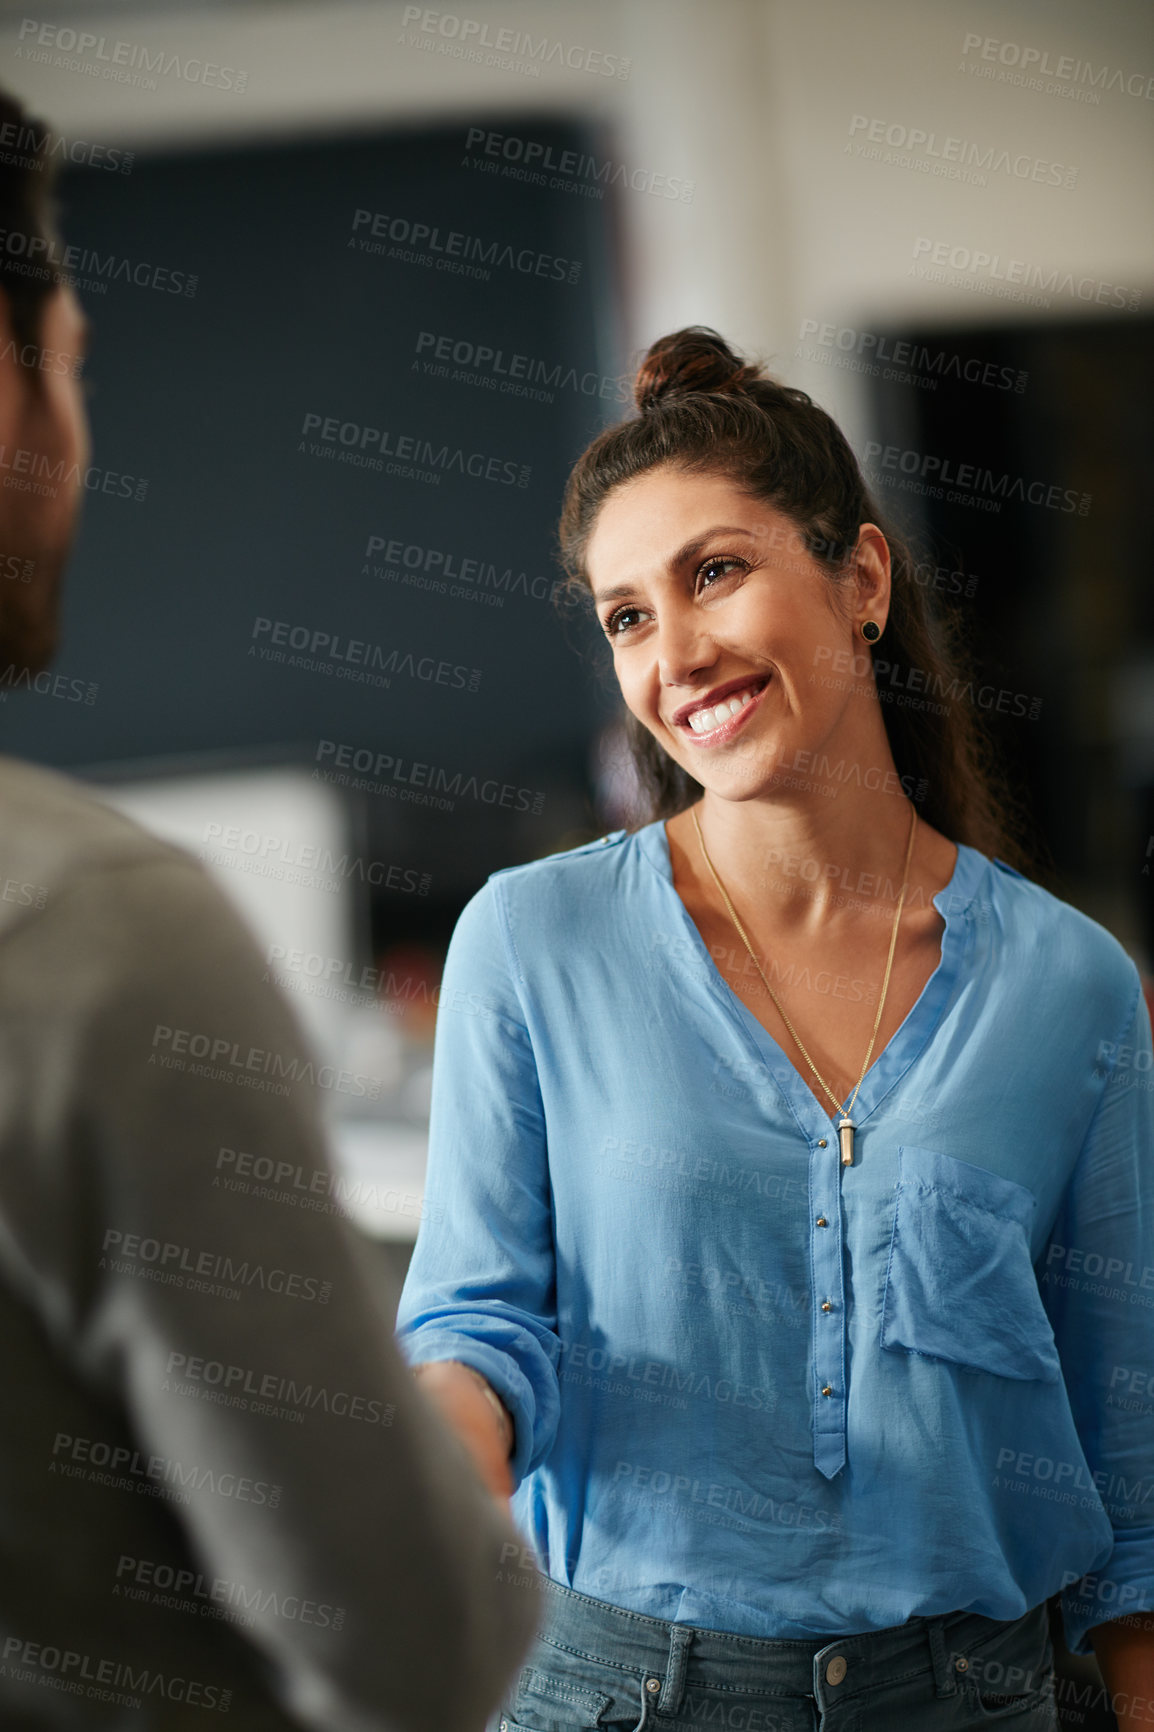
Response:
column 237, row 1327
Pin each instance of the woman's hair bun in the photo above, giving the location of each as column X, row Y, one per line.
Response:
column 693, row 359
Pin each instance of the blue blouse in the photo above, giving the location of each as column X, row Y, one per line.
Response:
column 755, row 1390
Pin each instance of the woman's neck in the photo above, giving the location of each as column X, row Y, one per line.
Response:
column 809, row 862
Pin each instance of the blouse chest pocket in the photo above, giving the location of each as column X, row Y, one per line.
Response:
column 960, row 1285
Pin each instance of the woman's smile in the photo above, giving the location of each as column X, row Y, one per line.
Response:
column 714, row 719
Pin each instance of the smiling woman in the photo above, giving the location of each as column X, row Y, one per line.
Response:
column 705, row 413
column 778, row 1405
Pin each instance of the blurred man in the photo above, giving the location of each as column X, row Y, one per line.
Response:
column 219, row 1488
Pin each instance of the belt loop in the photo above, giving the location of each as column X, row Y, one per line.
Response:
column 673, row 1687
column 945, row 1677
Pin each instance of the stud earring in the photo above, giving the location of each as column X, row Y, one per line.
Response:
column 871, row 630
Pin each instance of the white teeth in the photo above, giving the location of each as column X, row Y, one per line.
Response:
column 704, row 721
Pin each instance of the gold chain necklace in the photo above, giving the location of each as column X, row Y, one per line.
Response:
column 846, row 1127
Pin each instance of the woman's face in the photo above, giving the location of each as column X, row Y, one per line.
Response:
column 730, row 643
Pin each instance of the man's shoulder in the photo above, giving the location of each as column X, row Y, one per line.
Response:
column 55, row 833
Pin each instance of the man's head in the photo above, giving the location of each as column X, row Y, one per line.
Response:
column 43, row 424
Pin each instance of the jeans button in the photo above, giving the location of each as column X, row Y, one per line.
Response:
column 836, row 1670
column 653, row 1685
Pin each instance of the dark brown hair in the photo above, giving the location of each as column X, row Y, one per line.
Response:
column 701, row 408
column 27, row 175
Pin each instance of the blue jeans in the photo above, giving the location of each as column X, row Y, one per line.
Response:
column 597, row 1665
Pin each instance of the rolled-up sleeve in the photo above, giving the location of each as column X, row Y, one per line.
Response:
column 1102, row 1309
column 481, row 1287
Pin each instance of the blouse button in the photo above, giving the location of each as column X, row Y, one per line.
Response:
column 821, row 1143
column 827, row 1389
column 822, row 1222
column 826, row 1306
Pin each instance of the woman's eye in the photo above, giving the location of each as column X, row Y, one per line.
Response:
column 622, row 620
column 721, row 566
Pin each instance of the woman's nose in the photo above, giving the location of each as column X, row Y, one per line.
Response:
column 684, row 649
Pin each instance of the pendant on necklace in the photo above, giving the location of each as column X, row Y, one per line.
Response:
column 845, row 1132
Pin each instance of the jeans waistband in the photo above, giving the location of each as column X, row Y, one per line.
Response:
column 681, row 1654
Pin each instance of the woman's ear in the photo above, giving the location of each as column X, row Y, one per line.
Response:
column 871, row 561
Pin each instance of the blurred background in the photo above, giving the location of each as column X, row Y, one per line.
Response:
column 364, row 280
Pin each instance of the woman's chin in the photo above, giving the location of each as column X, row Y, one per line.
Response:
column 742, row 784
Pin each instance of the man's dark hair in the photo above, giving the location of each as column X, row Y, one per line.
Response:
column 27, row 177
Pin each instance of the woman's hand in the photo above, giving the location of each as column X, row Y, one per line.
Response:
column 458, row 1393
column 1125, row 1652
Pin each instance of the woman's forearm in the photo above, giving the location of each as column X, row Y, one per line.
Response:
column 1125, row 1652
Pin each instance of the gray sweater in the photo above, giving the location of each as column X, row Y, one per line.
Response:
column 220, row 1491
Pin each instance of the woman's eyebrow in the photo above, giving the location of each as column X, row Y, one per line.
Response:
column 687, row 551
